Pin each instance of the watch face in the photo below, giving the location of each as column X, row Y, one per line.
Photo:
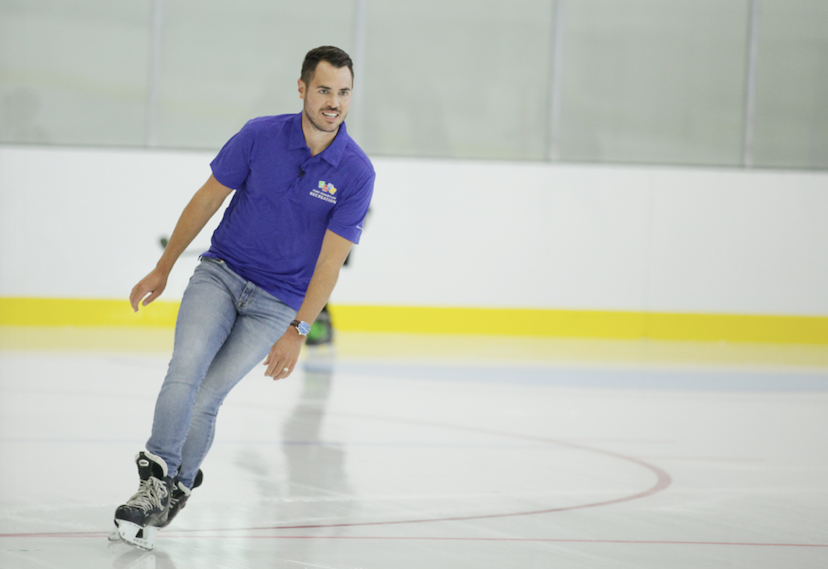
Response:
column 304, row 328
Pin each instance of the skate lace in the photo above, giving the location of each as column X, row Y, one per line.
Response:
column 150, row 495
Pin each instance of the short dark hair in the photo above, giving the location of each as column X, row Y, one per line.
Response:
column 329, row 53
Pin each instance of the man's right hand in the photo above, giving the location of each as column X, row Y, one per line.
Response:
column 202, row 207
column 152, row 284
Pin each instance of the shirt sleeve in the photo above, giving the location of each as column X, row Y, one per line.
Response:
column 349, row 216
column 232, row 164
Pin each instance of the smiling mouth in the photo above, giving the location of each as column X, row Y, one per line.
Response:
column 330, row 115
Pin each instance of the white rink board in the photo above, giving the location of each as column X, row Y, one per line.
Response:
column 85, row 223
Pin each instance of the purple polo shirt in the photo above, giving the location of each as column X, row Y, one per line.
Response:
column 285, row 200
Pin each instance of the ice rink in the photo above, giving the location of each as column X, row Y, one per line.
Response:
column 415, row 452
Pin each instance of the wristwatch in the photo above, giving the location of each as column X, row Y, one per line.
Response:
column 302, row 327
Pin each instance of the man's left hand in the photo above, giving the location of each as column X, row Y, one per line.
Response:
column 284, row 354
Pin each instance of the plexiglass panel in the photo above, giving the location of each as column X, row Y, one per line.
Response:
column 73, row 71
column 635, row 81
column 459, row 79
column 792, row 85
column 653, row 81
column 223, row 63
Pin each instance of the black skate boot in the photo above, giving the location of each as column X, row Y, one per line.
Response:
column 180, row 495
column 138, row 520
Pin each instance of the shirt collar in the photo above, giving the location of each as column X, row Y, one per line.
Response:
column 297, row 137
column 333, row 153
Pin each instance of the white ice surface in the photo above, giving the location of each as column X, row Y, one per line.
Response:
column 389, row 464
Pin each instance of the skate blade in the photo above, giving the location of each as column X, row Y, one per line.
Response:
column 139, row 537
column 115, row 534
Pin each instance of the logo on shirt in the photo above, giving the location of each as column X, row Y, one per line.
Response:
column 324, row 192
column 327, row 188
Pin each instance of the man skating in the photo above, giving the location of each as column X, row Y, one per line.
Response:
column 302, row 189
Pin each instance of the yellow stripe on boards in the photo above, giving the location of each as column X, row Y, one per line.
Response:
column 738, row 328
column 84, row 312
column 583, row 324
column 508, row 322
column 437, row 320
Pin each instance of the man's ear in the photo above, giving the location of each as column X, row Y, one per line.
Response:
column 301, row 89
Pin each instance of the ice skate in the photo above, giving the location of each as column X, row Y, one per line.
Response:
column 138, row 520
column 180, row 495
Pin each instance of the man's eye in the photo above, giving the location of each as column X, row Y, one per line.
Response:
column 323, row 91
column 344, row 93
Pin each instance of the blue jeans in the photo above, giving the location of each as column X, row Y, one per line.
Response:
column 225, row 326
